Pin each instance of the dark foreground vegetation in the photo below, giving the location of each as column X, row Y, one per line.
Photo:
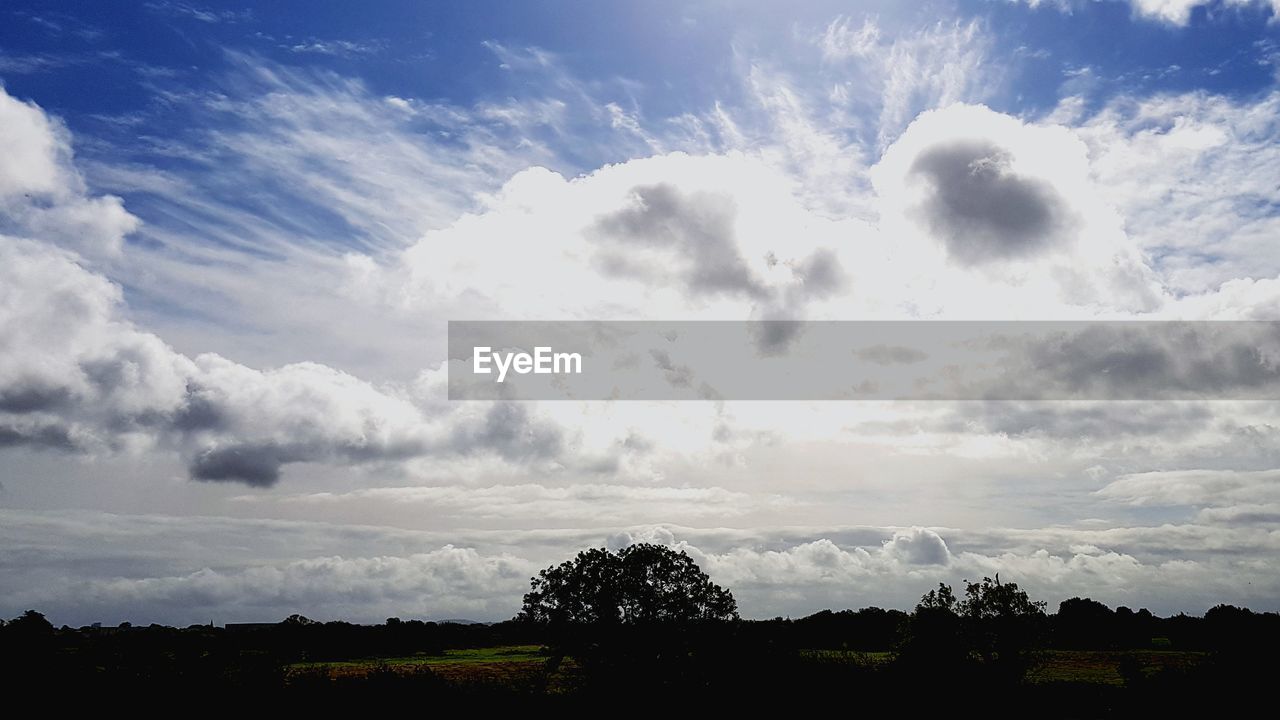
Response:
column 645, row 626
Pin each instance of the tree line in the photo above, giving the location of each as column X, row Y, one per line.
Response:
column 647, row 617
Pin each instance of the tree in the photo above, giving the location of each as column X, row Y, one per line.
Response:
column 1083, row 623
column 1006, row 627
column 941, row 599
column 645, row 611
column 994, row 600
column 933, row 640
column 30, row 624
column 996, row 628
column 640, row 584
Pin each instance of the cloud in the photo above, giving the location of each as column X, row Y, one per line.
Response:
column 1089, row 421
column 583, row 501
column 1262, row 514
column 510, row 430
column 1195, row 487
column 41, row 192
column 696, row 229
column 450, row 582
column 337, row 48
column 68, row 362
column 1171, row 12
column 841, row 40
column 902, row 74
column 653, row 535
column 29, row 64
column 181, row 569
column 1135, row 361
column 675, row 234
column 74, row 374
column 1007, row 201
column 1178, row 12
column 73, row 370
column 981, row 207
column 250, row 464
column 199, row 13
column 1193, row 175
column 918, row 546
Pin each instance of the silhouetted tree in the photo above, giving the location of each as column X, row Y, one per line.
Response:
column 995, row 628
column 1005, row 626
column 940, row 599
column 646, row 610
column 1083, row 623
column 640, row 584
column 933, row 638
column 29, row 626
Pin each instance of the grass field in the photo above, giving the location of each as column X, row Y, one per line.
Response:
column 1103, row 666
column 871, row 657
column 506, row 663
column 520, row 663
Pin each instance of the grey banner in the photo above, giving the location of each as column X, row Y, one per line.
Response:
column 864, row 360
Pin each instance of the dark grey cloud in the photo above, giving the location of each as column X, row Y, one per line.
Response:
column 199, row 412
column 816, row 277
column 981, row 208
column 1142, row 360
column 789, row 359
column 820, row 275
column 697, row 228
column 259, row 464
column 43, row 435
column 34, row 396
column 774, row 335
column 1092, row 420
column 510, row 431
column 256, row 465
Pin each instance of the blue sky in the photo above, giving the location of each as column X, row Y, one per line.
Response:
column 86, row 61
column 676, row 50
column 231, row 237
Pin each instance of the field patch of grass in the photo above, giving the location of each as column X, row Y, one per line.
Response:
column 464, row 656
column 512, row 665
column 861, row 657
column 505, row 662
column 1103, row 666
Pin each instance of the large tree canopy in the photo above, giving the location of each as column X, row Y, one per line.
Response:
column 639, row 584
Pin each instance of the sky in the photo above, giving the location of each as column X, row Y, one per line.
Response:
column 231, row 238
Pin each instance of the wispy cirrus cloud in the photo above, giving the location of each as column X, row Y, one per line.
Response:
column 199, row 13
column 337, row 48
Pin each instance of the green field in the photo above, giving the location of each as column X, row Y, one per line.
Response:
column 519, row 663
column 871, row 657
column 504, row 665
column 467, row 656
column 1103, row 666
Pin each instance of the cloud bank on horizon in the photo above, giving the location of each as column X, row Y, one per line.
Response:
column 224, row 287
